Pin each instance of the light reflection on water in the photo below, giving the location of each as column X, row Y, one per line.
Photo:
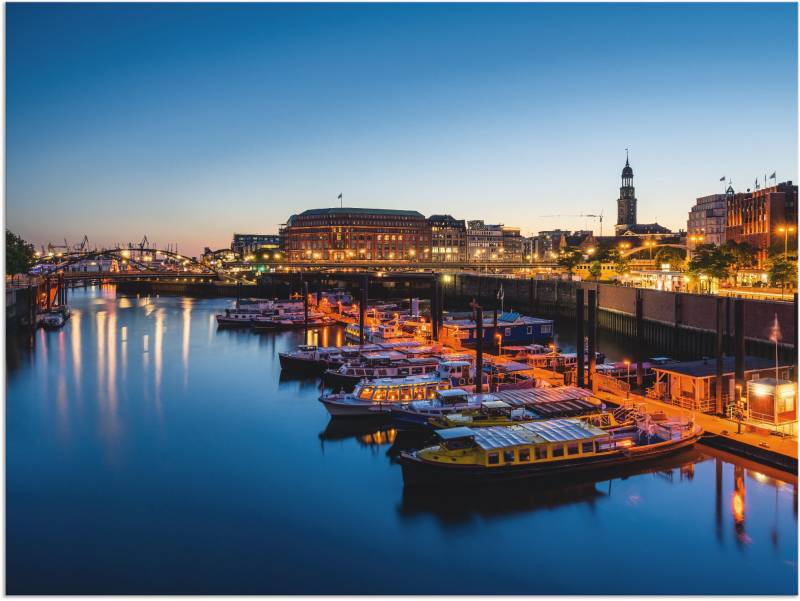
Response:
column 174, row 458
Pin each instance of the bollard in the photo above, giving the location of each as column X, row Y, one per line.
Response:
column 579, row 345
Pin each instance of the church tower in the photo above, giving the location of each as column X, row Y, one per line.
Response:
column 626, row 203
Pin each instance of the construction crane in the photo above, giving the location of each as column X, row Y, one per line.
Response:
column 592, row 215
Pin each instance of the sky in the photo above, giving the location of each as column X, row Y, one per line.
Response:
column 189, row 122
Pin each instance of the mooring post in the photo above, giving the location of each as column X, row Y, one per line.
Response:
column 592, row 334
column 639, row 339
column 478, row 347
column 676, row 331
column 738, row 347
column 579, row 342
column 719, row 352
column 319, row 290
column 434, row 307
column 362, row 309
column 305, row 304
column 495, row 334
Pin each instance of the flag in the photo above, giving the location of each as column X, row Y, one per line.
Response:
column 775, row 332
column 722, row 179
column 339, row 197
column 773, row 176
column 500, row 294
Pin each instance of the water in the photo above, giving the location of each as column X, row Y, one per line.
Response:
column 148, row 452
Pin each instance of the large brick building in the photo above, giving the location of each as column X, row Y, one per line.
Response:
column 755, row 216
column 341, row 234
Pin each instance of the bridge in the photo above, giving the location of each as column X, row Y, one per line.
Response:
column 637, row 249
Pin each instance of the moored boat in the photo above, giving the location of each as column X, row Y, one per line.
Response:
column 372, row 397
column 466, row 455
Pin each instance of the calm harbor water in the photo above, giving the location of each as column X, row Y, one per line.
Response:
column 149, row 452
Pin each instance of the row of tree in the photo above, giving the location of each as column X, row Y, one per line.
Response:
column 708, row 261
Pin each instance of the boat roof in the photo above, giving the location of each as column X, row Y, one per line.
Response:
column 512, row 366
column 455, row 363
column 452, row 393
column 495, row 405
column 535, row 396
column 551, row 430
column 455, row 433
column 388, row 355
column 424, row 379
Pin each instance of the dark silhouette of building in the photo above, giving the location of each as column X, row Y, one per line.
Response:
column 626, row 203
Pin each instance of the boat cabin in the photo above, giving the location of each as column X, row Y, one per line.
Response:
column 525, row 443
column 391, row 390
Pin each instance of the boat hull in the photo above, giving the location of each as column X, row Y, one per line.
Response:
column 301, row 365
column 417, row 472
column 339, row 409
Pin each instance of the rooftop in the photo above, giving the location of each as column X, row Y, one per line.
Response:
column 362, row 211
column 708, row 367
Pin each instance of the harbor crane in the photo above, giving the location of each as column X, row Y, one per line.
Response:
column 592, row 215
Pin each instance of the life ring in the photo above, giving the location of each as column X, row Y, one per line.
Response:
column 461, row 381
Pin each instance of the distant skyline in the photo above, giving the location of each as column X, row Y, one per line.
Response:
column 190, row 122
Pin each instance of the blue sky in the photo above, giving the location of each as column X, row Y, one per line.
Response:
column 189, row 122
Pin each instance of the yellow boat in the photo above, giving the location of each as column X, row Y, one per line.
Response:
column 542, row 448
column 500, row 413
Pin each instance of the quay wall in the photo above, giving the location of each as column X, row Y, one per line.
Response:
column 683, row 325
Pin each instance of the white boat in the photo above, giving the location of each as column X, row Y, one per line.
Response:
column 384, row 332
column 372, row 397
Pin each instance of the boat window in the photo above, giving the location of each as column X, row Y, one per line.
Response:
column 558, row 450
column 432, row 393
column 493, row 458
column 587, row 447
column 540, row 452
column 419, row 393
column 394, row 394
column 572, row 448
column 416, row 370
column 380, row 394
column 366, row 392
column 360, row 372
column 508, row 332
column 524, row 454
column 508, row 456
column 530, row 329
column 406, row 393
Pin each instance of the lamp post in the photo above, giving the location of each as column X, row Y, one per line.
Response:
column 786, row 230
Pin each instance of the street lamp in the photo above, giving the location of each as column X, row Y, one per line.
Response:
column 786, row 230
column 627, row 363
column 499, row 338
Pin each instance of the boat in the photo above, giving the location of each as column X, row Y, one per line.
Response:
column 500, row 413
column 552, row 447
column 546, row 402
column 291, row 321
column 512, row 328
column 318, row 359
column 310, row 358
column 399, row 363
column 372, row 397
column 51, row 320
column 377, row 333
column 233, row 318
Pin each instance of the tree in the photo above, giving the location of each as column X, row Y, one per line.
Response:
column 673, row 256
column 19, row 254
column 782, row 272
column 569, row 258
column 742, row 255
column 622, row 264
column 710, row 262
column 594, row 269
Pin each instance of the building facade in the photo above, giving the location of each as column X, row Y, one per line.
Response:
column 706, row 223
column 512, row 244
column 756, row 216
column 448, row 239
column 252, row 243
column 341, row 234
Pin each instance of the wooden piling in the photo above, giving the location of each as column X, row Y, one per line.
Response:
column 579, row 346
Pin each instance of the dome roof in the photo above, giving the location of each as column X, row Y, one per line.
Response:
column 627, row 171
